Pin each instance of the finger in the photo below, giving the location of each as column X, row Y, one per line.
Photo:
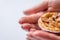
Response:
column 41, row 7
column 28, row 39
column 30, row 19
column 46, row 35
column 30, row 27
column 29, row 36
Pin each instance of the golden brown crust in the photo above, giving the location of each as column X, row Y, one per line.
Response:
column 50, row 22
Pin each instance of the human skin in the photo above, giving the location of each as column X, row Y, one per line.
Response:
column 29, row 22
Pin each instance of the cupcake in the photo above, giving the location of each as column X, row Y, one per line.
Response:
column 50, row 21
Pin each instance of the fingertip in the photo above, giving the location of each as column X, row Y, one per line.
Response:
column 26, row 26
column 23, row 20
column 30, row 34
column 20, row 21
column 28, row 12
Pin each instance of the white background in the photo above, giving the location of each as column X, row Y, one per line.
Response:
column 10, row 12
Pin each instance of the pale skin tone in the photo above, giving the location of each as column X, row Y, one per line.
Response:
column 29, row 22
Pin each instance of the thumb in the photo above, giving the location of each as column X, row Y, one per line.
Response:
column 54, row 5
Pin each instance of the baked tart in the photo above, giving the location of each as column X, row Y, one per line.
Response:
column 50, row 21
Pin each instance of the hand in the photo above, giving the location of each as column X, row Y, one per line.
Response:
column 32, row 15
column 41, row 35
column 29, row 22
column 46, row 5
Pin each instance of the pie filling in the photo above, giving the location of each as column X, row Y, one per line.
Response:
column 51, row 21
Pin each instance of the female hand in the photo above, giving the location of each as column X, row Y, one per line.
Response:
column 32, row 15
column 29, row 22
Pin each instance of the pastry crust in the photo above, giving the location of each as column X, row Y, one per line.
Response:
column 50, row 21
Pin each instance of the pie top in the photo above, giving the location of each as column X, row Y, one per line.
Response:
column 50, row 21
